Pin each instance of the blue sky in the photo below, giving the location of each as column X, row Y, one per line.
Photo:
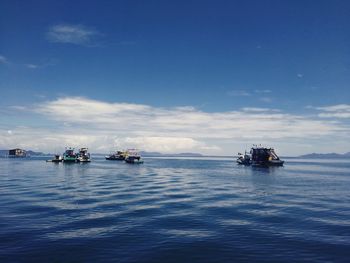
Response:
column 175, row 76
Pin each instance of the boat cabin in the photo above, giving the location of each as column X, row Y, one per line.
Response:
column 265, row 156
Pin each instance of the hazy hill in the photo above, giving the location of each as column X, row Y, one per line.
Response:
column 326, row 155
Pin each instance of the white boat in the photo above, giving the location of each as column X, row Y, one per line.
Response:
column 133, row 156
column 83, row 156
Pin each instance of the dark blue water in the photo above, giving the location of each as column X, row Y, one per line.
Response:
column 174, row 210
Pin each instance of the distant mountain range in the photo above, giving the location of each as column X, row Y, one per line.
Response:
column 158, row 154
column 146, row 154
column 326, row 155
column 154, row 154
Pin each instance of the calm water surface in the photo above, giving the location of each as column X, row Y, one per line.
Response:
column 174, row 210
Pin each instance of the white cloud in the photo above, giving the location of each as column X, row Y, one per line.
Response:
column 238, row 93
column 262, row 91
column 18, row 108
column 72, row 34
column 299, row 75
column 247, row 93
column 259, row 109
column 31, row 66
column 162, row 144
column 102, row 126
column 334, row 111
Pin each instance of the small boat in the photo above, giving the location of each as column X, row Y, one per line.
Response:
column 133, row 156
column 265, row 157
column 116, row 156
column 244, row 159
column 69, row 156
column 83, row 156
column 17, row 153
column 56, row 159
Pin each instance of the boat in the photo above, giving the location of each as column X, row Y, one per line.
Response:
column 69, row 156
column 244, row 159
column 83, row 156
column 132, row 156
column 116, row 156
column 17, row 153
column 56, row 159
column 262, row 156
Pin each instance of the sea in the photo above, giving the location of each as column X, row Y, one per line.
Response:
column 174, row 210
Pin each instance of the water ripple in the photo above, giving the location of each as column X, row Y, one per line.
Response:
column 174, row 210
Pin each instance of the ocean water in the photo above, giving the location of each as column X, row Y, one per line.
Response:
column 174, row 210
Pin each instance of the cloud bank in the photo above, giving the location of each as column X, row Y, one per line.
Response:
column 102, row 126
column 335, row 111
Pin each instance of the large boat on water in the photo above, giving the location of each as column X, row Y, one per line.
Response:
column 69, row 156
column 262, row 156
column 133, row 156
column 83, row 156
column 116, row 156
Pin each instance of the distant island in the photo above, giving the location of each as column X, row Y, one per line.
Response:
column 326, row 155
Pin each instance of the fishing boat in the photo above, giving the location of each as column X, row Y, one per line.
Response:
column 116, row 156
column 83, row 156
column 133, row 156
column 244, row 159
column 262, row 156
column 56, row 159
column 69, row 156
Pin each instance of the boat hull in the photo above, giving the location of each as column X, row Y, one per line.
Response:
column 55, row 161
column 243, row 162
column 119, row 158
column 83, row 160
column 133, row 160
column 69, row 160
column 268, row 163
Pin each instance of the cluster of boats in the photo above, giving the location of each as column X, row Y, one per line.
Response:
column 260, row 156
column 83, row 156
column 129, row 156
